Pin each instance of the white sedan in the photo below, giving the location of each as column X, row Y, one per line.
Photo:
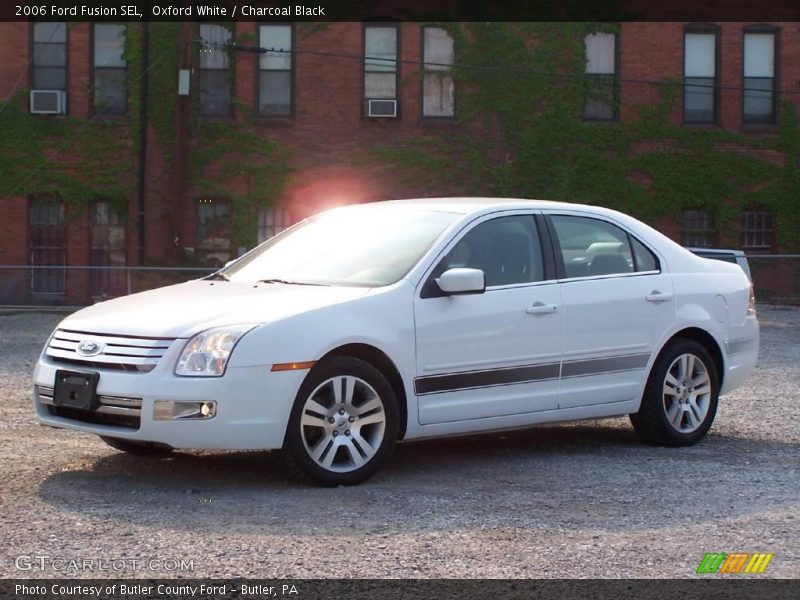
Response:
column 410, row 319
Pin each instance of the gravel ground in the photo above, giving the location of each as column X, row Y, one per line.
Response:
column 577, row 500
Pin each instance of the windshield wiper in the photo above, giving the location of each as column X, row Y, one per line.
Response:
column 288, row 282
column 217, row 277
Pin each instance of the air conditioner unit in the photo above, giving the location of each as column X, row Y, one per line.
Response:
column 48, row 102
column 381, row 108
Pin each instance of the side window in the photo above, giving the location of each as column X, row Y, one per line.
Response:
column 592, row 247
column 506, row 249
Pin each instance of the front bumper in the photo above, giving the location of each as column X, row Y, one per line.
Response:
column 252, row 406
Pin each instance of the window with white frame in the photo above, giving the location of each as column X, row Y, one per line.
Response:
column 759, row 77
column 698, row 229
column 110, row 69
column 47, row 246
column 49, row 58
column 272, row 220
column 438, row 91
column 275, row 71
column 107, row 240
column 380, row 68
column 758, row 233
column 214, row 77
column 700, row 76
column 213, row 232
column 601, row 68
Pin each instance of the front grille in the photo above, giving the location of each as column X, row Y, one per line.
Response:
column 120, row 352
column 114, row 411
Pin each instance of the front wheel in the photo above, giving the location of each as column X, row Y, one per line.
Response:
column 680, row 399
column 344, row 422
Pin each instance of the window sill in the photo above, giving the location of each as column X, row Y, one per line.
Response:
column 109, row 118
column 219, row 118
column 759, row 128
column 701, row 126
column 280, row 121
column 438, row 120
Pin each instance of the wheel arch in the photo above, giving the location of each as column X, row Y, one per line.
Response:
column 378, row 359
column 705, row 339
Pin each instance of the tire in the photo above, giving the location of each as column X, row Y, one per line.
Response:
column 137, row 448
column 680, row 399
column 343, row 424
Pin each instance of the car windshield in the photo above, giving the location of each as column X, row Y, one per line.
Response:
column 367, row 246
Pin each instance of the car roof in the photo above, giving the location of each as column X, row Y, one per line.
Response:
column 472, row 204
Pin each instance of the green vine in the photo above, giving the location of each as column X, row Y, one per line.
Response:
column 528, row 138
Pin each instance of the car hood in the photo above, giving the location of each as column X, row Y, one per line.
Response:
column 184, row 309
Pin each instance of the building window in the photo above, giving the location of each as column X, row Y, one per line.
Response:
column 110, row 70
column 47, row 248
column 758, row 233
column 275, row 71
column 49, row 57
column 698, row 229
column 601, row 69
column 700, row 76
column 273, row 220
column 107, row 250
column 438, row 95
column 213, row 232
column 759, row 77
column 380, row 71
column 214, row 72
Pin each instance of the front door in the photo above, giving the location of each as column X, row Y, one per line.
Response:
column 497, row 353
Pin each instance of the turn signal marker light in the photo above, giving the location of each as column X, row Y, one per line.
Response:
column 293, row 366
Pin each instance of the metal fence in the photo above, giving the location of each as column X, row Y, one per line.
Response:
column 24, row 285
column 776, row 278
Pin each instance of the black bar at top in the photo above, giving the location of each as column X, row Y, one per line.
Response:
column 401, row 10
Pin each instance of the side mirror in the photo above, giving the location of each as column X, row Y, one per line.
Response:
column 461, row 280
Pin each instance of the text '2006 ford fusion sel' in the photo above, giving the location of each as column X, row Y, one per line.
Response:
column 400, row 320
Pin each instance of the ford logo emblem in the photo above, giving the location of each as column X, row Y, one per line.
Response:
column 89, row 348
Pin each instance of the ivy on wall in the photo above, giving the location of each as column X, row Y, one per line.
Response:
column 80, row 160
column 533, row 142
column 519, row 133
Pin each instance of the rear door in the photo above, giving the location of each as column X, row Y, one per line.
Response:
column 497, row 353
column 618, row 303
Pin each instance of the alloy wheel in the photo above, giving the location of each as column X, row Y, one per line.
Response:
column 343, row 423
column 687, row 393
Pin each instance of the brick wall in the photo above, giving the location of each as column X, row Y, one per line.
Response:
column 327, row 133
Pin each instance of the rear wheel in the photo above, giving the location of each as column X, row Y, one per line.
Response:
column 137, row 448
column 344, row 422
column 680, row 400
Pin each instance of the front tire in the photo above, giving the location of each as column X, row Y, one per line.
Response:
column 344, row 422
column 137, row 448
column 680, row 399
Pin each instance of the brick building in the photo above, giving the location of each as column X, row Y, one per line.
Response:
column 317, row 105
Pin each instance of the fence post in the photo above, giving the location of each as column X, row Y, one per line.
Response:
column 128, row 274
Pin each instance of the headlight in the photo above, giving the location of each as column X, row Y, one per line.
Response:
column 207, row 353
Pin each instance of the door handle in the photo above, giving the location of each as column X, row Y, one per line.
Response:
column 541, row 309
column 656, row 296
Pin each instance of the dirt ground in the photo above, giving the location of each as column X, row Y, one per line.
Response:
column 576, row 500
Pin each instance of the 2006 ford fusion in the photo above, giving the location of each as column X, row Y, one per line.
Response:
column 399, row 320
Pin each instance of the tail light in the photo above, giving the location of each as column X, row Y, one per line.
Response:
column 751, row 302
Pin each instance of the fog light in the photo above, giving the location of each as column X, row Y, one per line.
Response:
column 170, row 410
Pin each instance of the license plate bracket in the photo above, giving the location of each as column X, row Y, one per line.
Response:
column 76, row 389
